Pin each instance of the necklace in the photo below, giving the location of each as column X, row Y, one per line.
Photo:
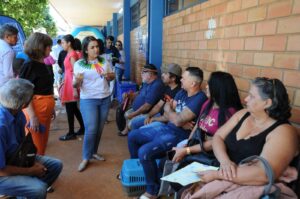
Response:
column 98, row 66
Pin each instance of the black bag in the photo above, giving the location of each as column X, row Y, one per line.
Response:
column 25, row 154
column 120, row 112
column 204, row 157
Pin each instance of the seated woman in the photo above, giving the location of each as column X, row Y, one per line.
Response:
column 262, row 128
column 223, row 102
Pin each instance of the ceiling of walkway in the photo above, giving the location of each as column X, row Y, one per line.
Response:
column 86, row 12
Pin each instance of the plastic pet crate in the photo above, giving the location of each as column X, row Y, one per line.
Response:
column 125, row 87
column 133, row 178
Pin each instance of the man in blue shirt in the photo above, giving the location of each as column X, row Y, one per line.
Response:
column 149, row 144
column 31, row 182
column 151, row 92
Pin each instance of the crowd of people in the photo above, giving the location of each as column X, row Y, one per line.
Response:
column 170, row 112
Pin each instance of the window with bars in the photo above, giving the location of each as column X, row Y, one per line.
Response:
column 135, row 15
column 173, row 6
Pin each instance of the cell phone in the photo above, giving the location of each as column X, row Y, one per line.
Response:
column 170, row 154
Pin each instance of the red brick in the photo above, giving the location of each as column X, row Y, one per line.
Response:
column 187, row 28
column 236, row 44
column 289, row 25
column 291, row 94
column 247, row 30
column 220, row 9
column 297, row 98
column 279, row 9
column 266, row 27
column 217, row 56
column 209, row 12
column 266, row 1
column 231, row 32
column 251, row 72
column 271, row 73
column 204, row 25
column 219, row 33
column 291, row 78
column 200, row 15
column 296, row 8
column 245, row 58
column 249, row 3
column 229, row 57
column 206, row 4
column 203, row 44
column 239, row 17
column 215, row 2
column 211, row 66
column 263, row 59
column 242, row 84
column 199, row 35
column 253, row 43
column 275, row 43
column 196, row 8
column 257, row 14
column 287, row 61
column 212, row 44
column 293, row 43
column 223, row 44
column 235, row 69
column 189, row 18
column 234, row 5
column 226, row 20
column 195, row 26
column 295, row 116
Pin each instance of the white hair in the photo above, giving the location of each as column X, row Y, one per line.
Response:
column 16, row 93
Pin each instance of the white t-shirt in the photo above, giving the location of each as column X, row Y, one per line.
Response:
column 94, row 85
column 122, row 59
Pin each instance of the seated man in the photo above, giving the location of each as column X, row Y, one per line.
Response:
column 147, row 97
column 149, row 144
column 171, row 75
column 34, row 181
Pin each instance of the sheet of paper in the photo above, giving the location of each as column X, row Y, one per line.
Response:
column 188, row 174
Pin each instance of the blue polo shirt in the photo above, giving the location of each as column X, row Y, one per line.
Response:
column 12, row 132
column 193, row 103
column 149, row 93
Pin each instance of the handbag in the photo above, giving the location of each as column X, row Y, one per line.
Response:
column 267, row 194
column 204, row 157
column 120, row 112
column 25, row 154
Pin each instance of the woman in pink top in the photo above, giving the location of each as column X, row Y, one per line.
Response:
column 69, row 94
column 223, row 102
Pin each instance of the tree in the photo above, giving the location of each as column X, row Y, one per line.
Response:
column 30, row 14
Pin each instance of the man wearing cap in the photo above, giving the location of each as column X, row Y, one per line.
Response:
column 8, row 38
column 150, row 93
column 171, row 75
column 149, row 144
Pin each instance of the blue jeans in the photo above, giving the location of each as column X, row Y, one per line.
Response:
column 138, row 122
column 119, row 74
column 149, row 144
column 94, row 113
column 29, row 186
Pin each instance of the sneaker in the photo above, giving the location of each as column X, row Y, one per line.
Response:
column 82, row 166
column 98, row 157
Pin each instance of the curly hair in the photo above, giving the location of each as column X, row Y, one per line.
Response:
column 274, row 89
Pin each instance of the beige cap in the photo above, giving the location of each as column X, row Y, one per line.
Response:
column 172, row 68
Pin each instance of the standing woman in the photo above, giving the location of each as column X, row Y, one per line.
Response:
column 92, row 74
column 41, row 109
column 70, row 95
column 119, row 67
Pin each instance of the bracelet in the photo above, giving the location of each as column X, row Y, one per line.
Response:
column 188, row 150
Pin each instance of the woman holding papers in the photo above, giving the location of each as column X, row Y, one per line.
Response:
column 262, row 129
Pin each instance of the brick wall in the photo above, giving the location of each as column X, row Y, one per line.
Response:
column 251, row 38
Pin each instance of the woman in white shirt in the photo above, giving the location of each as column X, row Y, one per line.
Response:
column 92, row 74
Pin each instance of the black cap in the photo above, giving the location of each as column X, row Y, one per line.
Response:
column 150, row 67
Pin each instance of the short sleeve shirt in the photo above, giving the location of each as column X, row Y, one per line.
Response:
column 11, row 133
column 149, row 93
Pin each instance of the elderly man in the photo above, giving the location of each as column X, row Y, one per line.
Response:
column 171, row 75
column 150, row 93
column 31, row 182
column 149, row 144
column 8, row 38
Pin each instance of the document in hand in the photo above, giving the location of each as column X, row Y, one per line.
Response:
column 188, row 174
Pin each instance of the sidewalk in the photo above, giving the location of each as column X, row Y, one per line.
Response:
column 98, row 181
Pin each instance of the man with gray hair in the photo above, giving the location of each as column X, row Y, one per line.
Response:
column 8, row 38
column 31, row 182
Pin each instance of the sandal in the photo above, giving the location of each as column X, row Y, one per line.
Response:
column 118, row 176
column 121, row 134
